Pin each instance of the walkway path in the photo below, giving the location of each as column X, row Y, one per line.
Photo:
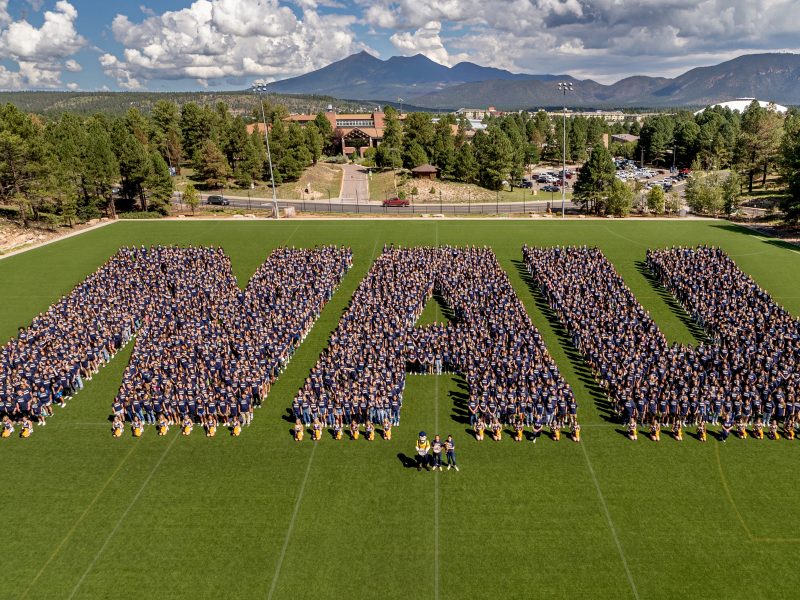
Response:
column 355, row 184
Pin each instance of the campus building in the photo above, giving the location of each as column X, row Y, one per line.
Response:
column 354, row 132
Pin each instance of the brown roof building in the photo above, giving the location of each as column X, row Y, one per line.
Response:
column 424, row 172
column 356, row 131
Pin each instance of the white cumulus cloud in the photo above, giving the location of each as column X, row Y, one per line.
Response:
column 426, row 40
column 41, row 53
column 602, row 39
column 213, row 40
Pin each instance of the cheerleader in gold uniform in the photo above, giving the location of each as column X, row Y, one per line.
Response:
column 480, row 427
column 236, row 427
column 576, row 431
column 211, row 426
column 354, row 430
column 788, row 429
column 387, row 429
column 758, row 429
column 741, row 429
column 137, row 428
column 187, row 426
column 518, row 430
column 117, row 427
column 702, row 434
column 337, row 429
column 8, row 428
column 163, row 426
column 655, row 430
column 369, row 431
column 316, row 430
column 677, row 430
column 632, row 433
column 298, row 431
column 497, row 431
column 27, row 428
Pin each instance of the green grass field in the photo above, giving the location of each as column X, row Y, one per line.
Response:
column 261, row 516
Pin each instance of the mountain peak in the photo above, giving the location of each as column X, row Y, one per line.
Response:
column 426, row 83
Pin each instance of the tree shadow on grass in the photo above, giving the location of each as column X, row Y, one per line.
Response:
column 733, row 227
column 598, row 395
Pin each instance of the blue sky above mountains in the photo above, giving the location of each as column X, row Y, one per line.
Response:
column 228, row 44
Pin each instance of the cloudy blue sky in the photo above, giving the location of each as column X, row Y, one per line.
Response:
column 228, row 44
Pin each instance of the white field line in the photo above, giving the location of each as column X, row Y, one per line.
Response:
column 289, row 531
column 436, row 480
column 122, row 518
column 611, row 526
column 300, row 493
column 436, row 503
column 77, row 522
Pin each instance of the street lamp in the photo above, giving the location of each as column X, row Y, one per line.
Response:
column 564, row 87
column 259, row 89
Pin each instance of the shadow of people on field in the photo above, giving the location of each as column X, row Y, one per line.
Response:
column 407, row 461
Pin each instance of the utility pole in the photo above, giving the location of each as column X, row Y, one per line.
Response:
column 565, row 87
column 259, row 89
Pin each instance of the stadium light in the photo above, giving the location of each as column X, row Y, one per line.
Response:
column 259, row 89
column 564, row 86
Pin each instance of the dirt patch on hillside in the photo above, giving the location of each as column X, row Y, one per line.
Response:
column 13, row 237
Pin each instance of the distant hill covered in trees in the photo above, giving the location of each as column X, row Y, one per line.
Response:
column 119, row 103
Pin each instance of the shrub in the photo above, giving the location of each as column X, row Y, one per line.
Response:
column 140, row 215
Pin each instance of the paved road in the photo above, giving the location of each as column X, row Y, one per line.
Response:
column 374, row 207
column 355, row 183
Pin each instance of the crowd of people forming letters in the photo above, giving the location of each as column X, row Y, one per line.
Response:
column 744, row 378
column 357, row 384
column 206, row 352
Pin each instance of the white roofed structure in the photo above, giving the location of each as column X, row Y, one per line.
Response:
column 741, row 104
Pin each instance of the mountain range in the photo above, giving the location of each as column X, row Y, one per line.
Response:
column 422, row 82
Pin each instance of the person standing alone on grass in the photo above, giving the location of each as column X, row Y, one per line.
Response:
column 450, row 449
column 423, row 447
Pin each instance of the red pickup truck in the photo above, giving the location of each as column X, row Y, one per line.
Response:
column 395, row 201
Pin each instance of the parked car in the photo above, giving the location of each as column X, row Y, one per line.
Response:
column 524, row 184
column 218, row 200
column 551, row 188
column 395, row 201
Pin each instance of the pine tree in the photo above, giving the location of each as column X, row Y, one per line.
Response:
column 314, row 142
column 159, row 184
column 414, row 156
column 465, row 167
column 101, row 168
column 790, row 165
column 211, row 165
column 325, row 130
column 495, row 157
column 594, row 181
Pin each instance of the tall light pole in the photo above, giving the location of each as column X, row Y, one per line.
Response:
column 565, row 87
column 260, row 89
